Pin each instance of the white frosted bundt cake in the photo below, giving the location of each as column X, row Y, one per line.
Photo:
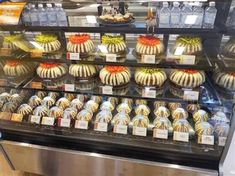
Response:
column 82, row 71
column 51, row 70
column 225, row 79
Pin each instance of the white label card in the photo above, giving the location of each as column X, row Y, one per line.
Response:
column 120, row 129
column 191, row 95
column 179, row 136
column 107, row 90
column 190, row 19
column 111, row 58
column 35, row 119
column 139, row 131
column 161, row 134
column 208, row 140
column 69, row 87
column 103, row 127
column 150, row 59
column 188, row 59
column 81, row 124
column 73, row 56
column 65, row 122
column 149, row 93
column 222, row 141
column 48, row 121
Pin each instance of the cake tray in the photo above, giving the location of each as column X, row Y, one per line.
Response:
column 120, row 55
column 114, row 24
column 139, row 58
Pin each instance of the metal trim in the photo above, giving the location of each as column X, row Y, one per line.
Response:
column 6, row 157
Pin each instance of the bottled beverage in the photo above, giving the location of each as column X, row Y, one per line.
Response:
column 34, row 16
column 186, row 13
column 209, row 17
column 61, row 16
column 164, row 18
column 51, row 15
column 232, row 18
column 26, row 15
column 42, row 15
column 198, row 13
column 175, row 15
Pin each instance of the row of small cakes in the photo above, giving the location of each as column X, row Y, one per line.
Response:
column 82, row 43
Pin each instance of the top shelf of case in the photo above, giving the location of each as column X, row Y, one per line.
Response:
column 137, row 28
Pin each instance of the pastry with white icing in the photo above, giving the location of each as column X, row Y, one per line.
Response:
column 51, row 70
column 83, row 71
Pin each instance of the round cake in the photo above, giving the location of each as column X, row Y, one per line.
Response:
column 181, row 125
column 103, row 116
column 17, row 68
column 82, row 71
column 114, row 44
column 187, row 78
column 190, row 44
column 149, row 45
column 80, row 43
column 150, row 77
column 140, row 121
column 121, row 119
column 229, row 48
column 48, row 42
column 225, row 80
column 51, row 70
column 8, row 41
column 115, row 75
column 24, row 109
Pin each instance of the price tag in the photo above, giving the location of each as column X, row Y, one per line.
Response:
column 222, row 141
column 161, row 134
column 5, row 51
column 139, row 131
column 111, row 58
column 17, row 117
column 69, row 87
column 188, row 59
column 107, row 90
column 179, row 136
column 191, row 95
column 73, row 56
column 65, row 122
column 120, row 129
column 48, row 121
column 208, row 140
column 147, row 92
column 5, row 115
column 36, row 85
column 150, row 59
column 190, row 19
column 103, row 127
column 35, row 119
column 81, row 124
column 36, row 54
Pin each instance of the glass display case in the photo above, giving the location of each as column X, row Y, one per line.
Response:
column 117, row 87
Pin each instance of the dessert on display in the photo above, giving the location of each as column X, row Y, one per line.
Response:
column 69, row 96
column 107, row 105
column 181, row 125
column 187, row 78
column 84, row 115
column 77, row 104
column 113, row 100
column 162, row 112
column 150, row 77
column 229, row 48
column 8, row 41
column 83, row 71
column 80, row 43
column 173, row 106
column 124, row 107
column 179, row 113
column 149, row 45
column 114, row 44
column 221, row 129
column 203, row 128
column 51, row 70
column 25, row 110
column 63, row 103
column 115, row 75
column 220, row 117
column 17, row 68
column 34, row 101
column 48, row 42
column 41, row 111
column 103, row 116
column 16, row 98
column 127, row 100
column 200, row 116
column 48, row 101
column 157, row 104
column 41, row 94
column 225, row 79
column 56, row 112
column 161, row 123
column 142, row 110
column 5, row 96
column 54, row 95
column 121, row 119
column 97, row 99
column 91, row 105
column 69, row 113
column 140, row 102
column 9, row 107
column 193, row 107
column 192, row 45
column 140, row 121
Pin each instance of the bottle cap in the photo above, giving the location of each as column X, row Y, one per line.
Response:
column 58, row 5
column 165, row 4
column 40, row 5
column 49, row 5
column 176, row 4
column 212, row 4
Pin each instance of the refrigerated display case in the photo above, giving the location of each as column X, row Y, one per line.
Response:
column 117, row 95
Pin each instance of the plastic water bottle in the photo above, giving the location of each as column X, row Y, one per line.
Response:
column 42, row 15
column 209, row 17
column 34, row 16
column 175, row 15
column 198, row 13
column 26, row 15
column 186, row 13
column 165, row 14
column 61, row 16
column 51, row 15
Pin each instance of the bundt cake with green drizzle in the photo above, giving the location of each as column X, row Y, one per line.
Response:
column 8, row 41
column 114, row 44
column 192, row 45
column 150, row 77
column 48, row 42
column 229, row 48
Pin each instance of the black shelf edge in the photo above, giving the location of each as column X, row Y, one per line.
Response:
column 145, row 148
column 131, row 29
